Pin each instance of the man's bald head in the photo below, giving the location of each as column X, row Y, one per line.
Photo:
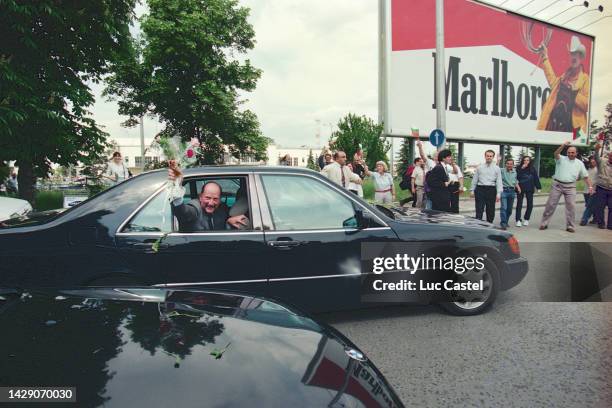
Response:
column 210, row 197
column 571, row 152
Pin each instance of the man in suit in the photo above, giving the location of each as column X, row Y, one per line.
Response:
column 437, row 180
column 205, row 213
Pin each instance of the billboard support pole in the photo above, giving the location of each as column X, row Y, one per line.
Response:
column 440, row 74
column 460, row 155
column 538, row 156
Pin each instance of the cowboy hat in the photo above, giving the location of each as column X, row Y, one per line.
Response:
column 576, row 46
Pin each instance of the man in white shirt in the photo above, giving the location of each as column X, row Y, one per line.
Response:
column 417, row 182
column 568, row 169
column 338, row 171
column 455, row 186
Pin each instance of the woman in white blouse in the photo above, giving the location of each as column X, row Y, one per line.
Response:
column 116, row 170
column 384, row 189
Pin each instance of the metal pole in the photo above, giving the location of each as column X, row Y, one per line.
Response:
column 460, row 154
column 142, row 145
column 538, row 155
column 440, row 71
column 502, row 152
column 382, row 64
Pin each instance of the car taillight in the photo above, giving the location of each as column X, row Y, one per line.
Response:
column 514, row 245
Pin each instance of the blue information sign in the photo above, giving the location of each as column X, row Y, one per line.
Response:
column 436, row 137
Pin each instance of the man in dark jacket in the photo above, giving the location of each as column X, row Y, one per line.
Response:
column 205, row 213
column 437, row 180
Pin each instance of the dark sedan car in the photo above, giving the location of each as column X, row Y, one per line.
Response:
column 167, row 348
column 304, row 242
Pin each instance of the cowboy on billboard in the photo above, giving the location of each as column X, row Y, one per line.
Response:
column 566, row 108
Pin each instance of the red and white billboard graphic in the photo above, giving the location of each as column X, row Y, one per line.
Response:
column 509, row 78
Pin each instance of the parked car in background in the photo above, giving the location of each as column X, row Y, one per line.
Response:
column 125, row 347
column 303, row 245
column 13, row 208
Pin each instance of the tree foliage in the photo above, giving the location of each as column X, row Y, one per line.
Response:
column 406, row 156
column 360, row 131
column 49, row 51
column 311, row 162
column 183, row 70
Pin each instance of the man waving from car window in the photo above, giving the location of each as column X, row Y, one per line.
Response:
column 205, row 213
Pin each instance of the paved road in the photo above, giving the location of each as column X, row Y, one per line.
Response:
column 535, row 348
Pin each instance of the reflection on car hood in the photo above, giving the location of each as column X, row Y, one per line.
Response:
column 415, row 215
column 157, row 347
column 31, row 219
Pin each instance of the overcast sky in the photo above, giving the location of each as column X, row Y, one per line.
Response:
column 320, row 61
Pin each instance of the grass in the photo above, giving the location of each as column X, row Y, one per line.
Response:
column 368, row 188
column 49, row 200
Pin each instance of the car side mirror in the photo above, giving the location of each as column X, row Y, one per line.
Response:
column 363, row 219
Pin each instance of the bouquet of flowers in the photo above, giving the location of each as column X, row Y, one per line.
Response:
column 179, row 154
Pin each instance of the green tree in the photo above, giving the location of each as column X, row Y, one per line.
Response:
column 49, row 51
column 185, row 72
column 310, row 163
column 360, row 131
column 405, row 157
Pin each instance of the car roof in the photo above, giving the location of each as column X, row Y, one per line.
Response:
column 248, row 169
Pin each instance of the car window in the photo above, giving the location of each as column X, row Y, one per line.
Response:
column 304, row 203
column 155, row 216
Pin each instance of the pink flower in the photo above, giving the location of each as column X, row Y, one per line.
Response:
column 190, row 153
column 194, row 142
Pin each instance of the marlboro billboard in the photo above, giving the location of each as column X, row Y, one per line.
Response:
column 509, row 78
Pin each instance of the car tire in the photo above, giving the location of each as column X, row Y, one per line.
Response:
column 470, row 303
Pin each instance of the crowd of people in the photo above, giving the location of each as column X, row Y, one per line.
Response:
column 350, row 175
column 437, row 183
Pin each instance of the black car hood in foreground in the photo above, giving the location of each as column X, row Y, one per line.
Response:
column 164, row 348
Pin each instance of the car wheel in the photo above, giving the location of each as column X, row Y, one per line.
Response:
column 471, row 302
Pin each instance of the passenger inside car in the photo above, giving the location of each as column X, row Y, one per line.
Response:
column 208, row 211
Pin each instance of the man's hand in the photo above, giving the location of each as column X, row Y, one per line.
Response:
column 238, row 221
column 413, row 190
column 419, row 143
column 567, row 143
column 518, row 189
column 497, row 199
column 173, row 170
column 471, row 194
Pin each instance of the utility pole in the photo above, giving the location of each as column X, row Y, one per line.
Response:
column 142, row 146
column 440, row 71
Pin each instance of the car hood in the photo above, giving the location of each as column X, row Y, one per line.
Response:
column 30, row 219
column 413, row 215
column 156, row 347
column 13, row 207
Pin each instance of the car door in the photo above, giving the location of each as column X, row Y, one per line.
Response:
column 227, row 259
column 313, row 243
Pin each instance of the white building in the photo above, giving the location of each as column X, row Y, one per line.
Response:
column 129, row 147
column 130, row 150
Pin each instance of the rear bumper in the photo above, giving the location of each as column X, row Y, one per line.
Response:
column 516, row 269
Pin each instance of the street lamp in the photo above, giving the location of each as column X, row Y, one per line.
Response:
column 600, row 9
column 585, row 4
